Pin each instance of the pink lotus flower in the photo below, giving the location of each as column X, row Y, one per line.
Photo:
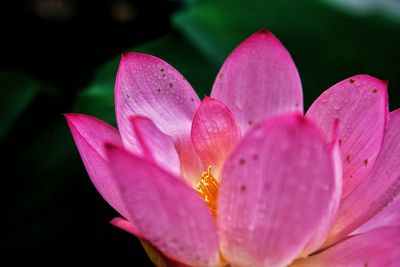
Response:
column 243, row 178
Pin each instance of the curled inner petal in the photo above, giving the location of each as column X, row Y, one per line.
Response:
column 208, row 189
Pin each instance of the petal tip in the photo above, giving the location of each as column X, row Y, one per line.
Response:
column 116, row 221
column 206, row 97
column 263, row 34
column 73, row 118
column 70, row 116
column 124, row 54
column 67, row 117
column 126, row 226
column 210, row 100
column 127, row 56
column 263, row 31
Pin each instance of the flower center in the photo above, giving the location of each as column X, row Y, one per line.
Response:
column 208, row 189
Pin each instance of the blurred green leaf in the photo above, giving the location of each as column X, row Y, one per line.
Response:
column 18, row 91
column 384, row 8
column 326, row 44
column 51, row 159
column 98, row 98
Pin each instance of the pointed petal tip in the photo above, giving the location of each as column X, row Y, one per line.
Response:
column 115, row 220
column 135, row 55
column 208, row 99
column 262, row 65
column 90, row 134
column 146, row 78
column 263, row 34
column 73, row 119
column 263, row 31
column 70, row 116
column 75, row 116
column 149, row 86
column 127, row 55
column 67, row 117
column 126, row 226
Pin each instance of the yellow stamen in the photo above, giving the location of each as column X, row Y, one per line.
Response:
column 208, row 189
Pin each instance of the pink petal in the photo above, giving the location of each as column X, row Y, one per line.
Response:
column 169, row 214
column 90, row 135
column 125, row 225
column 191, row 166
column 148, row 86
column 214, row 133
column 389, row 216
column 380, row 247
column 360, row 105
column 325, row 227
column 377, row 190
column 156, row 257
column 259, row 80
column 277, row 190
column 156, row 144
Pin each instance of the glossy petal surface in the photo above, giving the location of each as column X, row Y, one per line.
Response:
column 214, row 133
column 272, row 197
column 376, row 248
column 389, row 216
column 148, row 86
column 155, row 256
column 259, row 80
column 360, row 105
column 156, row 144
column 378, row 189
column 90, row 136
column 168, row 214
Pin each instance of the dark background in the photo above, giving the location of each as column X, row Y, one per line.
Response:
column 60, row 56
